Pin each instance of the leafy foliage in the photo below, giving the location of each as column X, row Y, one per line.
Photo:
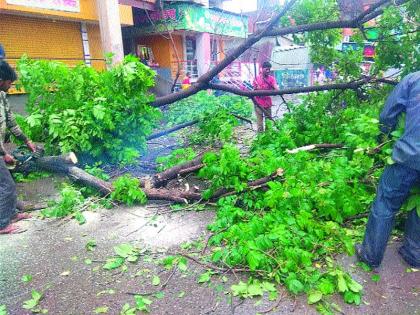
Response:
column 33, row 303
column 124, row 252
column 70, row 203
column 105, row 114
column 127, row 190
column 291, row 231
column 204, row 105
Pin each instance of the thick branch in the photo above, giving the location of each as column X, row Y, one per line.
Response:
column 205, row 78
column 173, row 129
column 316, row 88
column 203, row 82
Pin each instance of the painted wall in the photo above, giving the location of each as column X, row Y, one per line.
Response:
column 87, row 12
column 163, row 50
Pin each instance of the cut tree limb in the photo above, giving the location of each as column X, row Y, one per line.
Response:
column 316, row 146
column 162, row 178
column 223, row 192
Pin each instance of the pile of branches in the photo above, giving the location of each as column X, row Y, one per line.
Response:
column 155, row 187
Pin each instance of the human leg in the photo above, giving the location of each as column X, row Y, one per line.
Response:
column 394, row 188
column 260, row 118
column 410, row 250
column 7, row 196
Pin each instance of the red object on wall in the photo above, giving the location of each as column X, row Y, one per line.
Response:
column 369, row 51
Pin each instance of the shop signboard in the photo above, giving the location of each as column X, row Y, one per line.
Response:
column 59, row 5
column 184, row 16
column 288, row 78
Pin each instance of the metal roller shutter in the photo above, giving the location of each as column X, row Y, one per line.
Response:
column 41, row 38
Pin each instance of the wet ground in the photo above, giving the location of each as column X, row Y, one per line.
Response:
column 73, row 281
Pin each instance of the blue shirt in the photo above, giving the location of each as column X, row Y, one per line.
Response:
column 405, row 98
column 2, row 53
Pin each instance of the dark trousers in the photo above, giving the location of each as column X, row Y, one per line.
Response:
column 393, row 190
column 7, row 195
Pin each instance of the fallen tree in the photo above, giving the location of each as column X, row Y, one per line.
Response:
column 153, row 187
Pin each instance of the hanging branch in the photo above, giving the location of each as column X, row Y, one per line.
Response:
column 271, row 30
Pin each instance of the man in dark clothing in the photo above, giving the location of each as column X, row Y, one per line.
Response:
column 398, row 179
column 8, row 213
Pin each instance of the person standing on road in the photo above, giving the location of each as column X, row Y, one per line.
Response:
column 8, row 199
column 397, row 179
column 263, row 104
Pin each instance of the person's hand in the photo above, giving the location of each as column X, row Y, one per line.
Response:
column 8, row 159
column 31, row 146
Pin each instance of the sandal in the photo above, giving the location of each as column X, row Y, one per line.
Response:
column 11, row 229
column 21, row 216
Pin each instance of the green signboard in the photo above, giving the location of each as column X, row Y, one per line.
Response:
column 184, row 16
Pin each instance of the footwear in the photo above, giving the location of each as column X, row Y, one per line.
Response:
column 360, row 257
column 407, row 257
column 21, row 216
column 11, row 229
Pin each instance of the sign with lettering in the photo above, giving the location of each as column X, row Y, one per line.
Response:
column 289, row 78
column 58, row 5
column 184, row 16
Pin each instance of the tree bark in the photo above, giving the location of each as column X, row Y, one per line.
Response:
column 173, row 129
column 162, row 178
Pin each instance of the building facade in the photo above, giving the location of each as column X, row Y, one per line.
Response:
column 185, row 35
column 65, row 30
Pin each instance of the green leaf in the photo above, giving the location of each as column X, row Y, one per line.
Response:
column 239, row 289
column 32, row 303
column 181, row 294
column 80, row 218
column 26, row 278
column 156, row 280
column 182, row 264
column 113, row 263
column 205, row 277
column 295, row 286
column 255, row 290
column 90, row 245
column 314, row 297
column 101, row 310
column 354, row 286
column 128, row 310
column 124, row 250
column 88, row 261
column 326, row 287
column 341, row 283
column 142, row 303
column 375, row 277
column 160, row 295
column 3, row 309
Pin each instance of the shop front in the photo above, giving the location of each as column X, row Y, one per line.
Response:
column 65, row 30
column 196, row 41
